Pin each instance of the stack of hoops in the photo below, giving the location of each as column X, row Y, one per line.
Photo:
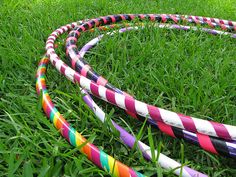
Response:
column 213, row 137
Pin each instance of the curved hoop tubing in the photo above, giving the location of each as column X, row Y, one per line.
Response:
column 100, row 87
column 218, row 146
column 97, row 156
column 127, row 138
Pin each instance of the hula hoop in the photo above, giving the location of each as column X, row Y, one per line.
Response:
column 101, row 88
column 109, row 94
column 127, row 138
column 221, row 147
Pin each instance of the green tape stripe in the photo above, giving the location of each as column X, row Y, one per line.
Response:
column 72, row 136
column 104, row 161
column 53, row 112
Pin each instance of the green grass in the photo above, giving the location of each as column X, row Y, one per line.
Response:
column 188, row 72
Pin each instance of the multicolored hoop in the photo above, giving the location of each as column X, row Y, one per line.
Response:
column 221, row 147
column 100, row 87
column 127, row 138
column 108, row 93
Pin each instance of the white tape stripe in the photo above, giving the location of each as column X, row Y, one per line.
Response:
column 232, row 130
column 81, row 53
column 51, row 37
column 49, row 45
column 49, row 51
column 55, row 33
column 98, row 112
column 120, row 100
column 102, row 92
column 164, row 161
column 205, row 127
column 59, row 64
column 85, row 83
column 50, row 41
column 171, row 118
column 65, row 28
column 60, row 30
column 141, row 108
column 70, row 73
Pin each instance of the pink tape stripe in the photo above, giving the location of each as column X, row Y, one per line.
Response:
column 187, row 122
column 205, row 143
column 101, row 81
column 221, row 130
column 154, row 113
column 84, row 70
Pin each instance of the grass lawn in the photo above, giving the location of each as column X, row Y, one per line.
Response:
column 188, row 72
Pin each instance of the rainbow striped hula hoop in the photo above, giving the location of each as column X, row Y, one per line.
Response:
column 97, row 156
column 71, row 136
column 207, row 134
